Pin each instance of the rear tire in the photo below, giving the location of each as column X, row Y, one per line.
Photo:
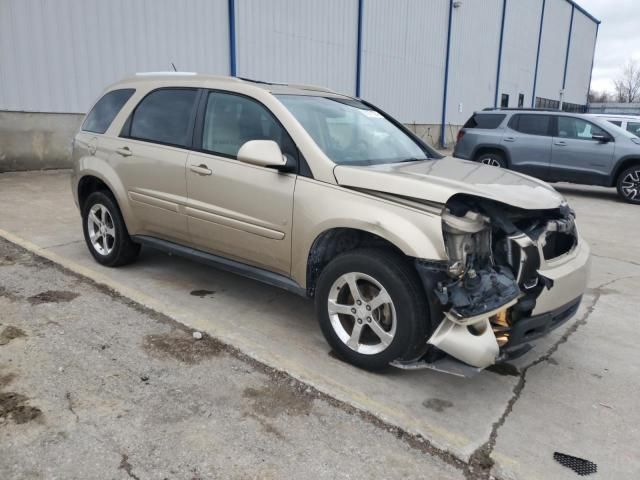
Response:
column 105, row 232
column 390, row 322
column 628, row 184
column 494, row 159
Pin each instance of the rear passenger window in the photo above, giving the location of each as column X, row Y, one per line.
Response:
column 106, row 109
column 165, row 116
column 485, row 120
column 531, row 124
column 615, row 122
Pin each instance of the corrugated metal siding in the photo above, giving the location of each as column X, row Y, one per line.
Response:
column 580, row 57
column 475, row 38
column 553, row 49
column 520, row 46
column 57, row 56
column 403, row 57
column 298, row 41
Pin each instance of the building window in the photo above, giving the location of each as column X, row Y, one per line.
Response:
column 521, row 100
column 547, row 103
column 574, row 107
column 504, row 103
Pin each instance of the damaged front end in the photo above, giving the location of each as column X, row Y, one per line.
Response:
column 485, row 296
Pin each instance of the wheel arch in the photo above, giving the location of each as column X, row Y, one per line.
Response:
column 93, row 179
column 488, row 148
column 622, row 165
column 337, row 240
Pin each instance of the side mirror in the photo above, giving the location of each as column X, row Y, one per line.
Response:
column 601, row 138
column 264, row 153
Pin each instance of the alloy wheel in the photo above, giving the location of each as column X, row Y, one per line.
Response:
column 494, row 162
column 630, row 185
column 362, row 313
column 102, row 231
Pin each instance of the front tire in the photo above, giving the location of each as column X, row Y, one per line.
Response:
column 628, row 185
column 494, row 159
column 105, row 232
column 372, row 309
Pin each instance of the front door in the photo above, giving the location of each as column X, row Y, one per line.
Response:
column 235, row 209
column 576, row 156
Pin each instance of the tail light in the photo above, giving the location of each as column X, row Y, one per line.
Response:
column 460, row 135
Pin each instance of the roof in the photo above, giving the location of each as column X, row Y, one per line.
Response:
column 217, row 81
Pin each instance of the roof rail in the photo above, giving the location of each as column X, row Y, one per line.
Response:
column 300, row 86
column 314, row 88
column 523, row 109
column 143, row 74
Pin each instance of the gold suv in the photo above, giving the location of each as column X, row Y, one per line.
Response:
column 413, row 259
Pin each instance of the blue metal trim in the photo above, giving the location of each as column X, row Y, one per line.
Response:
column 504, row 12
column 535, row 75
column 593, row 58
column 359, row 48
column 446, row 78
column 566, row 58
column 582, row 10
column 232, row 37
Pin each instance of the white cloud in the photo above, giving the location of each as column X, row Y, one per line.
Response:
column 618, row 38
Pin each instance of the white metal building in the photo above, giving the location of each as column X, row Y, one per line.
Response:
column 428, row 62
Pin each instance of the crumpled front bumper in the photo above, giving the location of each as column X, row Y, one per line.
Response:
column 474, row 342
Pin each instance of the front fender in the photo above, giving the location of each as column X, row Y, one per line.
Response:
column 319, row 207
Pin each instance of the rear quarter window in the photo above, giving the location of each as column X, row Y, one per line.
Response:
column 485, row 120
column 106, row 109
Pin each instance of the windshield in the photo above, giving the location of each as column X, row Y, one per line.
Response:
column 351, row 133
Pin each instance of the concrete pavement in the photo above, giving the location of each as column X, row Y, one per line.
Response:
column 518, row 420
column 93, row 386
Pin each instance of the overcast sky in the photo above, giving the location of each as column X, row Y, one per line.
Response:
column 618, row 38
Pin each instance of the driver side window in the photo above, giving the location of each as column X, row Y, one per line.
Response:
column 231, row 120
column 578, row 129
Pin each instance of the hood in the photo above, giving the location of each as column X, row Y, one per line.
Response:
column 438, row 180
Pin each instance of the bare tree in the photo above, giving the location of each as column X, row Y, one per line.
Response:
column 596, row 96
column 627, row 85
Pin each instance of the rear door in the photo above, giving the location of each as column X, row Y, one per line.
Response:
column 234, row 209
column 576, row 156
column 150, row 158
column 528, row 141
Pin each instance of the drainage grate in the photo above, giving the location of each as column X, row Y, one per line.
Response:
column 579, row 465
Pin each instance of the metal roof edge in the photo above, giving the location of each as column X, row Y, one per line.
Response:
column 585, row 12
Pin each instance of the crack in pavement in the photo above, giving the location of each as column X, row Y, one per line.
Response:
column 70, row 406
column 126, row 466
column 480, row 463
column 637, row 264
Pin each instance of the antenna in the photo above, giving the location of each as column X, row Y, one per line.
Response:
column 174, row 67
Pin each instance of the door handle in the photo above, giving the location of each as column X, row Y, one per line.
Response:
column 509, row 139
column 124, row 151
column 201, row 169
column 560, row 143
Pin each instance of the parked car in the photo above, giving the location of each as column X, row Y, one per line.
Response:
column 413, row 259
column 555, row 147
column 629, row 123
